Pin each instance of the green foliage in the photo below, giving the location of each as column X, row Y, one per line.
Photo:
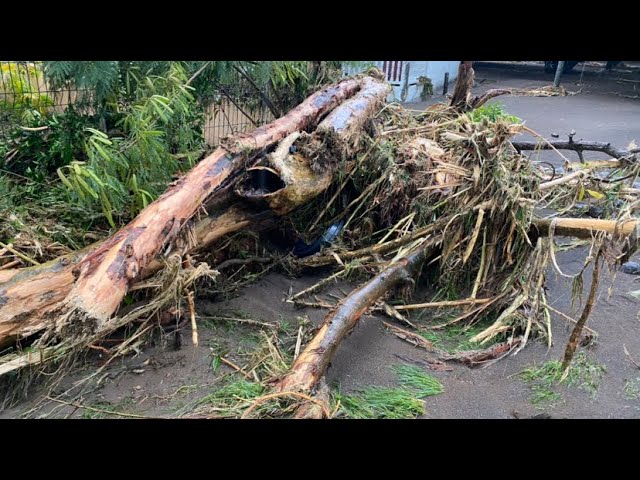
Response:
column 132, row 169
column 378, row 402
column 455, row 338
column 227, row 402
column 415, row 379
column 632, row 388
column 96, row 81
column 427, row 87
column 36, row 154
column 583, row 372
column 403, row 402
column 19, row 87
column 284, row 83
column 492, row 112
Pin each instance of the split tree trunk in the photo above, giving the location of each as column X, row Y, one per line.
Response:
column 101, row 277
column 105, row 275
column 29, row 296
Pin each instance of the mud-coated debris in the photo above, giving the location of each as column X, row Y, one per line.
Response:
column 541, row 416
column 587, row 340
column 632, row 268
column 555, row 135
column 595, row 212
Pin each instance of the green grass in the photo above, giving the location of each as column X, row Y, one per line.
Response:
column 228, row 401
column 393, row 403
column 379, row 402
column 492, row 112
column 415, row 379
column 632, row 389
column 455, row 338
column 584, row 373
column 434, row 337
column 108, row 409
column 544, row 397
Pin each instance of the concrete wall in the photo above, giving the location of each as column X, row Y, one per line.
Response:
column 434, row 70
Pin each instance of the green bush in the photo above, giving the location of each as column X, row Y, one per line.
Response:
column 493, row 112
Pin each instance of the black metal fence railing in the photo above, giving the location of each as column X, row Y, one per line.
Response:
column 24, row 91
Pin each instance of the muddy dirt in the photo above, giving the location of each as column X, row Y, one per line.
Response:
column 164, row 380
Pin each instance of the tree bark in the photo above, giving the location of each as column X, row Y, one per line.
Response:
column 89, row 287
column 572, row 345
column 29, row 297
column 461, row 98
column 488, row 95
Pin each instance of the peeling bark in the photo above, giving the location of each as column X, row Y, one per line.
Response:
column 89, row 285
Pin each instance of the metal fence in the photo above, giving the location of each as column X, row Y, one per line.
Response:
column 227, row 116
column 24, row 90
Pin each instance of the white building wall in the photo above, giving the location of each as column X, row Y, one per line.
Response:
column 418, row 68
column 436, row 70
column 433, row 70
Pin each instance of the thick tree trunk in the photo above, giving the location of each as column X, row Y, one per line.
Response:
column 105, row 271
column 461, row 98
column 105, row 275
column 26, row 298
column 312, row 363
column 90, row 287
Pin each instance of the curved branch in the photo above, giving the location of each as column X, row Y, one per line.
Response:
column 310, row 366
column 577, row 146
column 488, row 95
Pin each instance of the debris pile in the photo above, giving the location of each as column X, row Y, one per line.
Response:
column 443, row 199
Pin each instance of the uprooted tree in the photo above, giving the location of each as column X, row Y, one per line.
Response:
column 434, row 195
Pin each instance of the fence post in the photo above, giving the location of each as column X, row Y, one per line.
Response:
column 405, row 86
column 556, row 81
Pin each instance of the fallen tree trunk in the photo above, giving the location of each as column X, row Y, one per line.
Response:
column 105, row 275
column 312, row 363
column 30, row 293
column 337, row 137
column 29, row 296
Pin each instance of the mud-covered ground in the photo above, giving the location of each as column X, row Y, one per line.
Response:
column 163, row 380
